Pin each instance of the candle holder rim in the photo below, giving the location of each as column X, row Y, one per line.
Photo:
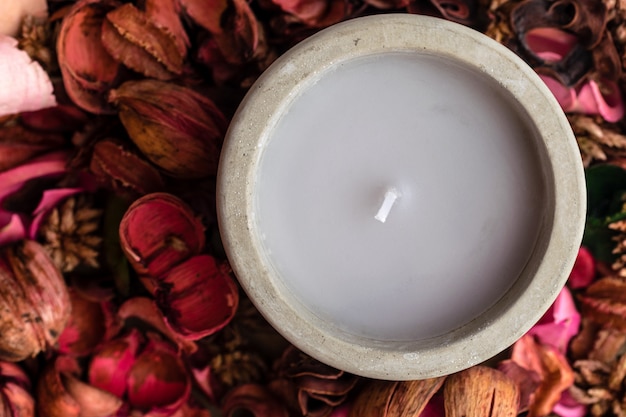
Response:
column 399, row 360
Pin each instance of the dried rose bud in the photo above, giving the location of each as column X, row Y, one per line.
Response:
column 309, row 386
column 118, row 168
column 61, row 394
column 253, row 400
column 197, row 297
column 158, row 231
column 88, row 71
column 16, row 400
column 36, row 300
column 395, row 399
column 130, row 37
column 176, row 128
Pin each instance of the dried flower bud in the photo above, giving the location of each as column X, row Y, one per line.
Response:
column 197, row 297
column 480, row 392
column 88, row 71
column 395, row 399
column 36, row 301
column 16, row 400
column 159, row 231
column 254, row 400
column 176, row 128
column 130, row 37
column 123, row 171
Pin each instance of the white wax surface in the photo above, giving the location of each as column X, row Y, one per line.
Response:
column 470, row 196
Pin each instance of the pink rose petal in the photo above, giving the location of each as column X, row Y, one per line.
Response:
column 559, row 324
column 588, row 99
column 24, row 85
column 609, row 104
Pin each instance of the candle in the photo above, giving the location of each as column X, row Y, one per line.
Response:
column 398, row 186
column 401, row 196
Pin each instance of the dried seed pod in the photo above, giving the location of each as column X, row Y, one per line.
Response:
column 157, row 232
column 130, row 37
column 165, row 14
column 88, row 70
column 35, row 299
column 197, row 297
column 118, row 168
column 480, row 392
column 395, row 399
column 176, row 128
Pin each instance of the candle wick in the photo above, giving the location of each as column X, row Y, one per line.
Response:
column 391, row 195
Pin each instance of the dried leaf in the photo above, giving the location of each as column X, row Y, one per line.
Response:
column 480, row 392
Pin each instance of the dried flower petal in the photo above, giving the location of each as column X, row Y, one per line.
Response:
column 24, row 85
column 555, row 373
column 559, row 324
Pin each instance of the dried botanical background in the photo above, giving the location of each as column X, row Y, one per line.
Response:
column 116, row 298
